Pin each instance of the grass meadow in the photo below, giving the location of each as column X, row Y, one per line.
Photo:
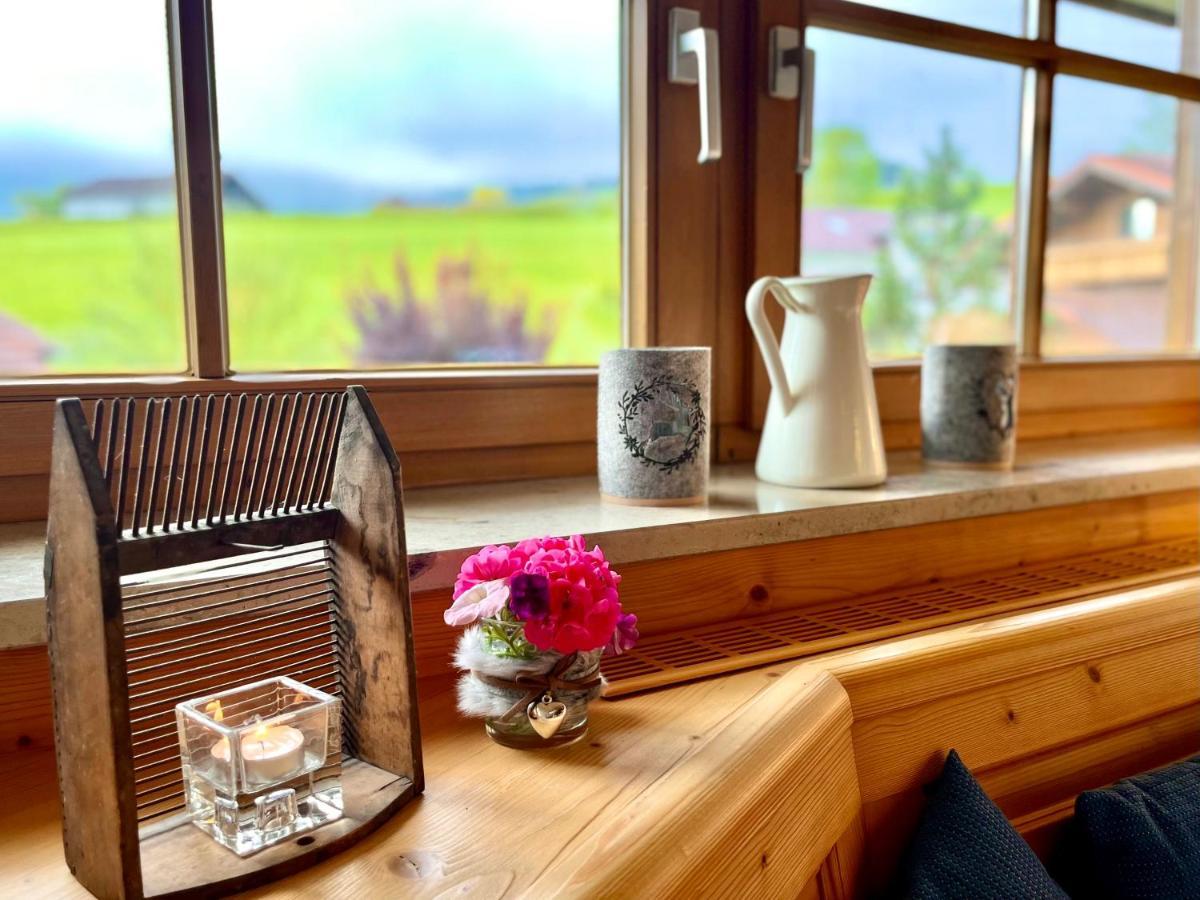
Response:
column 107, row 295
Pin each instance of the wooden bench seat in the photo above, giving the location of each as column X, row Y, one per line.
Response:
column 800, row 779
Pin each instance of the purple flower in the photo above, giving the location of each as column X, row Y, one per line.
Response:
column 624, row 636
column 530, row 596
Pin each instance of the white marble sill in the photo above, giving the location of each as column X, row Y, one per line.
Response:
column 446, row 524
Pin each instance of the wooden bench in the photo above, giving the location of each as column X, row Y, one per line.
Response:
column 799, row 779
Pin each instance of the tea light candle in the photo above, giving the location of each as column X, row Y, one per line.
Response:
column 270, row 752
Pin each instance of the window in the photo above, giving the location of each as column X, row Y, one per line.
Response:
column 1148, row 32
column 402, row 185
column 1006, row 16
column 986, row 180
column 1114, row 171
column 914, row 168
column 1139, row 222
column 89, row 239
column 420, row 183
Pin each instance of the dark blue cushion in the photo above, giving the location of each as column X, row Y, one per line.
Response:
column 1140, row 838
column 965, row 848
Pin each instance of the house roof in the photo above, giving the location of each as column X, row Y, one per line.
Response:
column 141, row 188
column 845, row 230
column 123, row 187
column 22, row 350
column 1143, row 173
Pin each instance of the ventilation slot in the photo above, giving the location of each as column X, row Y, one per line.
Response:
column 672, row 658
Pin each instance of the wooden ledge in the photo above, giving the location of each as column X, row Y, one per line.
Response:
column 771, row 782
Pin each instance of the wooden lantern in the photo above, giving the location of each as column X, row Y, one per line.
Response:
column 202, row 542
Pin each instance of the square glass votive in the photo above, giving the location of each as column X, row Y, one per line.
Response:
column 261, row 762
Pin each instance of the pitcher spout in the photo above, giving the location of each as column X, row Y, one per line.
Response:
column 825, row 290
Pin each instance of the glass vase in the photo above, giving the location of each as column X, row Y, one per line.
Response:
column 568, row 707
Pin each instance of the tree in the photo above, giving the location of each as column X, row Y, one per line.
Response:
column 958, row 253
column 890, row 319
column 1155, row 131
column 48, row 205
column 845, row 171
column 944, row 255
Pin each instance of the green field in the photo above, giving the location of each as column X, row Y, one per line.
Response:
column 107, row 295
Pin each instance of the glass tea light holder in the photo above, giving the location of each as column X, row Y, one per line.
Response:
column 261, row 763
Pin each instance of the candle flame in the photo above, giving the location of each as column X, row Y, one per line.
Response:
column 214, row 711
column 260, row 733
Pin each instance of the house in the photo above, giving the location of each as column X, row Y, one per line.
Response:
column 123, row 198
column 845, row 233
column 1108, row 250
column 1108, row 198
column 22, row 350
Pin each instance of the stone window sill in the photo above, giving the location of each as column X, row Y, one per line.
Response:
column 445, row 524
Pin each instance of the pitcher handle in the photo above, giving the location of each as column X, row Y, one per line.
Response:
column 765, row 335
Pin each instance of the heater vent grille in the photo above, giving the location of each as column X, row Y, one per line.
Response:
column 682, row 656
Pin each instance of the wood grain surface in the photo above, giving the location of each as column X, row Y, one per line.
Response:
column 748, row 785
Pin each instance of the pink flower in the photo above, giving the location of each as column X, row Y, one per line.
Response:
column 582, row 617
column 624, row 636
column 488, row 564
column 576, row 607
column 481, row 601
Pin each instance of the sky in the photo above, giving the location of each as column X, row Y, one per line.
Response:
column 902, row 96
column 456, row 93
column 422, row 96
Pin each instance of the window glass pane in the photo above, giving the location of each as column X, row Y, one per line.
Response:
column 914, row 165
column 89, row 240
column 1115, row 255
column 1147, row 32
column 1006, row 16
column 414, row 183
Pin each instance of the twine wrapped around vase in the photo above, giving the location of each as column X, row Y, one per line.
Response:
column 500, row 688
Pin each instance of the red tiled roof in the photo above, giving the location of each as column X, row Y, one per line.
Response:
column 845, row 230
column 22, row 350
column 1149, row 173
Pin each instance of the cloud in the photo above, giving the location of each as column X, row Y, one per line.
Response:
column 456, row 92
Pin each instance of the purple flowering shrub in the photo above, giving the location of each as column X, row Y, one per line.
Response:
column 460, row 325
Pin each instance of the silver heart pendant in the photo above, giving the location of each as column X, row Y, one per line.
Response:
column 546, row 715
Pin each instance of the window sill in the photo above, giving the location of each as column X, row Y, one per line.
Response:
column 445, row 524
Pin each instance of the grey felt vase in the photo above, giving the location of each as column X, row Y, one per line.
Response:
column 652, row 425
column 969, row 405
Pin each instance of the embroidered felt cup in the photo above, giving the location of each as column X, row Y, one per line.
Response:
column 652, row 425
column 968, row 405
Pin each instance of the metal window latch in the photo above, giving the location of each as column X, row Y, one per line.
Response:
column 695, row 59
column 792, row 75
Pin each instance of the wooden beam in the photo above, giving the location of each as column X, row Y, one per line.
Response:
column 379, row 681
column 198, row 181
column 886, row 24
column 1033, row 199
column 87, row 662
column 1184, row 258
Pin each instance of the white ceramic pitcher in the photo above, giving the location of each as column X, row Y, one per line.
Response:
column 822, row 426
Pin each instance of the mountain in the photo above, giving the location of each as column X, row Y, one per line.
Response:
column 40, row 162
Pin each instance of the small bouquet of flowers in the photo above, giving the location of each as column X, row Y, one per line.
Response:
column 538, row 615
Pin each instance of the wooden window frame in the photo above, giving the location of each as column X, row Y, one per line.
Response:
column 1042, row 59
column 694, row 238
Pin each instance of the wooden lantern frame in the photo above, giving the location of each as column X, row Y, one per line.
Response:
column 340, row 483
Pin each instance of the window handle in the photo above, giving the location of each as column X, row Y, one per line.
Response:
column 695, row 59
column 793, row 75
